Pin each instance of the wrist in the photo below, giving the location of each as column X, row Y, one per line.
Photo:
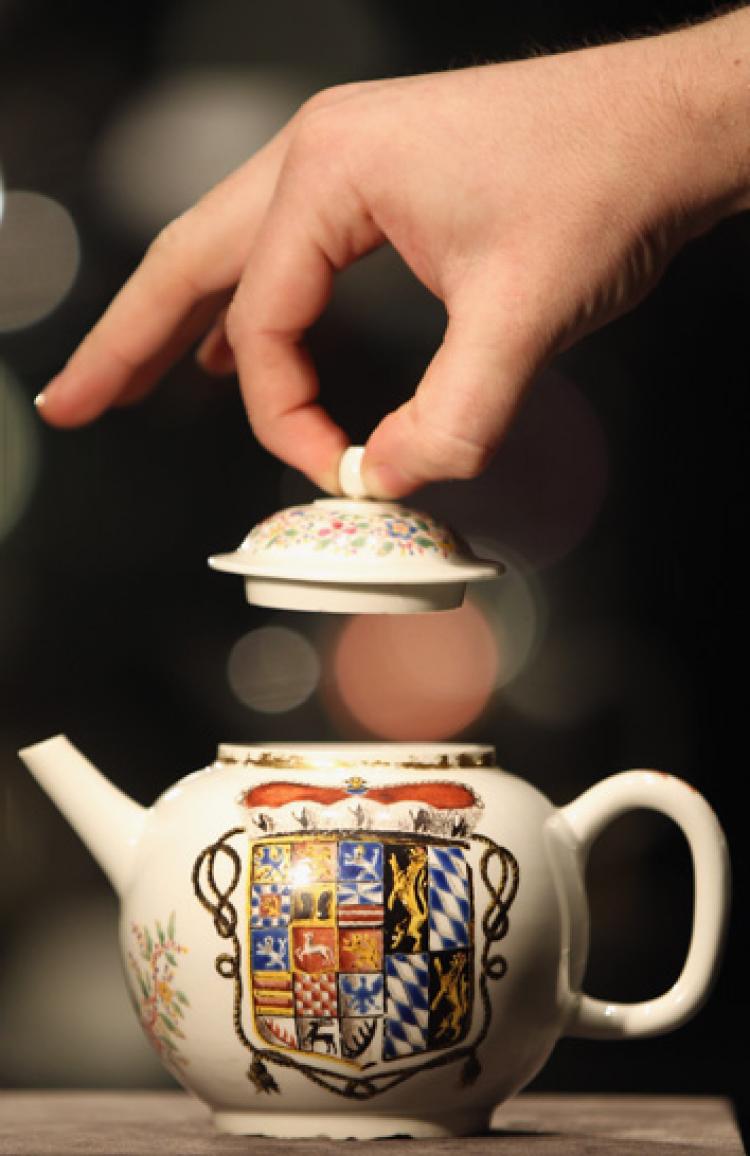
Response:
column 705, row 78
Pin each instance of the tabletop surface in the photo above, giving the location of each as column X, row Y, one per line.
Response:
column 134, row 1123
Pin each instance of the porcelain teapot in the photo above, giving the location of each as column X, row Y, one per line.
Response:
column 368, row 940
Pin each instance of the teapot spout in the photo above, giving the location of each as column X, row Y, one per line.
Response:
column 108, row 822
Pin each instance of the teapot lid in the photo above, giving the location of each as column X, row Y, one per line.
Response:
column 354, row 555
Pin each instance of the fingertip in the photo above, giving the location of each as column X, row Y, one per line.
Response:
column 321, row 469
column 386, row 461
column 66, row 404
column 306, row 439
column 50, row 403
column 327, row 444
column 384, row 480
column 328, row 479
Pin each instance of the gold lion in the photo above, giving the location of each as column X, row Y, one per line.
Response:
column 454, row 989
column 410, row 889
column 365, row 950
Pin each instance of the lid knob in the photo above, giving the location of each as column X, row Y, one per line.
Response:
column 350, row 473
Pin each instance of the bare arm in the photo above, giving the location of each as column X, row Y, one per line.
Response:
column 537, row 199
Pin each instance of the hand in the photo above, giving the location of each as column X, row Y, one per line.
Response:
column 537, row 199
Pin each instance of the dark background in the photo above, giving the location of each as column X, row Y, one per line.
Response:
column 113, row 629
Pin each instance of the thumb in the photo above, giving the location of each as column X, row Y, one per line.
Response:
column 459, row 413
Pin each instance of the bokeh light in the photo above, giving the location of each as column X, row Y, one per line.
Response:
column 39, row 257
column 605, row 670
column 417, row 676
column 273, row 669
column 177, row 139
column 515, row 608
column 19, row 451
column 576, row 673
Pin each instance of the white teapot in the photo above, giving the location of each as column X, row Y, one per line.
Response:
column 364, row 940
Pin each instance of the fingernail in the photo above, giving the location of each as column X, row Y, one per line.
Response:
column 43, row 397
column 385, row 481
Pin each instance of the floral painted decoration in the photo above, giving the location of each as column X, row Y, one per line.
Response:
column 349, row 533
column 161, row 1005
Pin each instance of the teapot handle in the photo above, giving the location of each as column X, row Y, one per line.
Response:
column 586, row 817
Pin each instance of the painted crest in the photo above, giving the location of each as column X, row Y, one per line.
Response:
column 361, row 965
column 361, row 947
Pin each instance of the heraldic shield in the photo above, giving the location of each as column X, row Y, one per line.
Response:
column 360, row 941
column 361, row 947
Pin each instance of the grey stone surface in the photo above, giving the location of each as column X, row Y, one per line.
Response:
column 136, row 1123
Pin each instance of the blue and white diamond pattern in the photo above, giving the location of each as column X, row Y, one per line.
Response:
column 449, row 897
column 407, row 979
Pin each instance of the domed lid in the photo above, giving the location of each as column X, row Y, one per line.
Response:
column 354, row 555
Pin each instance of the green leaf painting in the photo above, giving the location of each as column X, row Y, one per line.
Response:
column 153, row 964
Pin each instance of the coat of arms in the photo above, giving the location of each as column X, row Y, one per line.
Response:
column 360, row 929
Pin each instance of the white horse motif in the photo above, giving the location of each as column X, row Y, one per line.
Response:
column 310, row 948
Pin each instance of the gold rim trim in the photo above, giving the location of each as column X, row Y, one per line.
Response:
column 289, row 762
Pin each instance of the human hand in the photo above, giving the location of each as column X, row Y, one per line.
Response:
column 537, row 199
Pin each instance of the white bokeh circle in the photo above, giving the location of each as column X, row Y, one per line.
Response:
column 19, row 451
column 39, row 257
column 273, row 669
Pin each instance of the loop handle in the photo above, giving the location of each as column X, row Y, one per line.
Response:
column 587, row 816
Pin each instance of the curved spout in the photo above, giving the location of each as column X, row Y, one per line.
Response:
column 108, row 822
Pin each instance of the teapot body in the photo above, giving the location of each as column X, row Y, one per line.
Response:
column 354, row 940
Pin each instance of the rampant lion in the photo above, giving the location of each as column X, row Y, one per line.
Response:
column 364, row 949
column 454, row 989
column 410, row 889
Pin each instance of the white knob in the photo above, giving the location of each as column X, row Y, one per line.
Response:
column 350, row 473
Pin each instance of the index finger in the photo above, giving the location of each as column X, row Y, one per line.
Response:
column 314, row 227
column 183, row 281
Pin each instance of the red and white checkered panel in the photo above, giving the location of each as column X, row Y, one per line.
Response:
column 315, row 995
